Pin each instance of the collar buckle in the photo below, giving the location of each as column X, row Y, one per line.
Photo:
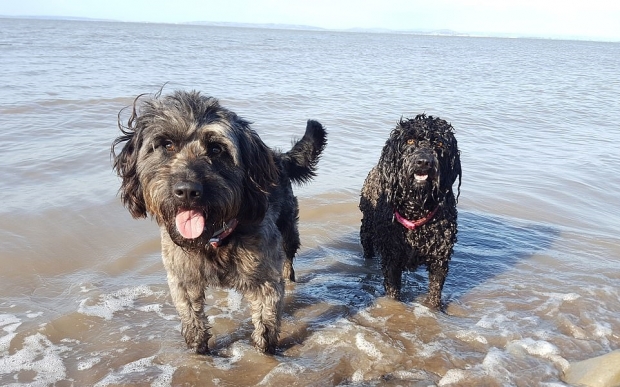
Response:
column 226, row 230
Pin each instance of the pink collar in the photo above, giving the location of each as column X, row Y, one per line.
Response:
column 226, row 230
column 412, row 225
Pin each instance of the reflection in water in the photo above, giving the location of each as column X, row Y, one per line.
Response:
column 489, row 246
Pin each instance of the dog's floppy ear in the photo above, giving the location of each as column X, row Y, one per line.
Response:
column 125, row 164
column 261, row 175
column 389, row 163
column 455, row 169
column 450, row 162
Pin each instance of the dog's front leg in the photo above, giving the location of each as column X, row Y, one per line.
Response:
column 188, row 297
column 437, row 273
column 392, row 279
column 266, row 301
column 366, row 235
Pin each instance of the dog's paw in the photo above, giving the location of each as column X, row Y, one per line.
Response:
column 269, row 349
column 197, row 338
column 392, row 292
column 433, row 303
column 266, row 341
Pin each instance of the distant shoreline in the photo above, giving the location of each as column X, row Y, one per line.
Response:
column 295, row 27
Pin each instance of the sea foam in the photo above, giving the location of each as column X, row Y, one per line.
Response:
column 39, row 355
column 108, row 304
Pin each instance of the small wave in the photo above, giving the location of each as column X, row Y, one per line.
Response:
column 367, row 347
column 108, row 304
column 452, row 377
column 39, row 355
column 159, row 375
column 9, row 324
column 286, row 369
column 88, row 364
column 539, row 348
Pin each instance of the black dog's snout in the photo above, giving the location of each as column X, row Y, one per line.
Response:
column 424, row 160
column 188, row 191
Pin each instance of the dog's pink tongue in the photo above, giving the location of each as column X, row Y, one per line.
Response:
column 190, row 223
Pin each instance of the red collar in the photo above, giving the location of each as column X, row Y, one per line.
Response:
column 412, row 225
column 226, row 230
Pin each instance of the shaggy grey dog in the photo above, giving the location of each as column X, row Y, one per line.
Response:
column 223, row 201
column 408, row 206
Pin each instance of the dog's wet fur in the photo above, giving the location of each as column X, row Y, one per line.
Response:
column 199, row 169
column 413, row 180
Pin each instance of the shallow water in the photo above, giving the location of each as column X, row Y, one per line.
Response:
column 533, row 283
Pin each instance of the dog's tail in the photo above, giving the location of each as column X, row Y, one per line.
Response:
column 300, row 162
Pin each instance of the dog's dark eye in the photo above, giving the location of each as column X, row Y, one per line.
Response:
column 439, row 145
column 411, row 141
column 169, row 146
column 215, row 149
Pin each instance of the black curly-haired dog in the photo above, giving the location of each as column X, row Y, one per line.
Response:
column 223, row 201
column 408, row 205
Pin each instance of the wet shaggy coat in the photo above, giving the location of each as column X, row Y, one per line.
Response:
column 198, row 168
column 418, row 166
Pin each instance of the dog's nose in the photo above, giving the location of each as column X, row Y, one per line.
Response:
column 424, row 162
column 187, row 190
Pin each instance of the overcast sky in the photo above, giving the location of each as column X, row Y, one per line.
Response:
column 590, row 19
